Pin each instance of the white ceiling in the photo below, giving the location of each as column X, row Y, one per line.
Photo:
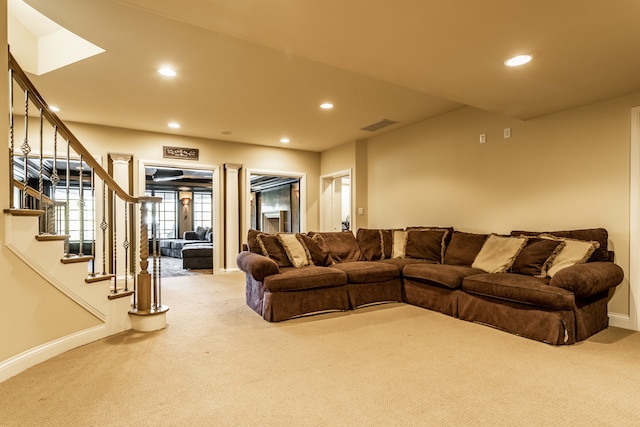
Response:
column 259, row 69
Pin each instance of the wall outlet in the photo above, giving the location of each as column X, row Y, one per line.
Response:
column 507, row 133
column 360, row 211
column 483, row 138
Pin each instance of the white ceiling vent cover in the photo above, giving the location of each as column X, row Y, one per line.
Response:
column 379, row 125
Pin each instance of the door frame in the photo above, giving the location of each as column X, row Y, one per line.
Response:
column 327, row 197
column 217, row 222
column 247, row 195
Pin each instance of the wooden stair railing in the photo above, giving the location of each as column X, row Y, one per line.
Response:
column 41, row 201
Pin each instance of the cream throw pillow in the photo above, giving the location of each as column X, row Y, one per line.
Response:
column 574, row 252
column 294, row 249
column 399, row 243
column 498, row 253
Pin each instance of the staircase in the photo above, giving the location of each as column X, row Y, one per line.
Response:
column 124, row 295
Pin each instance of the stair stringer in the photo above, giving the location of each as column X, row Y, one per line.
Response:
column 44, row 257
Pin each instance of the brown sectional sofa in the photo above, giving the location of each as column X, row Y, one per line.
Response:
column 439, row 269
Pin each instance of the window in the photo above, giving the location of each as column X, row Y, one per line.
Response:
column 166, row 215
column 74, row 213
column 202, row 209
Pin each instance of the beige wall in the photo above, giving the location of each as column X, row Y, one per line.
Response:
column 561, row 171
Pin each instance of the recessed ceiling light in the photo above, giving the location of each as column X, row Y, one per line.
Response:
column 326, row 106
column 174, row 125
column 54, row 108
column 284, row 140
column 517, row 60
column 166, row 71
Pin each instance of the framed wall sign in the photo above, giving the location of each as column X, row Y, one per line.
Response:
column 180, row 153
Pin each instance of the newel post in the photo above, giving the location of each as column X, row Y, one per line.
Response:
column 148, row 313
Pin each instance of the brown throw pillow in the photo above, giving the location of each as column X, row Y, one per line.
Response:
column 342, row 245
column 371, row 243
column 272, row 248
column 252, row 241
column 599, row 235
column 426, row 244
column 463, row 248
column 318, row 255
column 536, row 257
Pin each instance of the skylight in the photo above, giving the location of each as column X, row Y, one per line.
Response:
column 39, row 44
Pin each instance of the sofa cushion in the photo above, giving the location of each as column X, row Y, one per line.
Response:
column 296, row 252
column 463, row 248
column 498, row 253
column 574, row 252
column 252, row 241
column 519, row 288
column 317, row 254
column 400, row 263
column 310, row 277
column 599, row 235
column 536, row 257
column 426, row 244
column 375, row 244
column 368, row 271
column 450, row 276
column 449, row 231
column 271, row 247
column 342, row 245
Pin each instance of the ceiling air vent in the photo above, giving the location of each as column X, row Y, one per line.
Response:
column 379, row 125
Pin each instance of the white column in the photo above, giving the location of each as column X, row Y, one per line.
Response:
column 231, row 215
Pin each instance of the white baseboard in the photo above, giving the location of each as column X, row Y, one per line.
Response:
column 621, row 321
column 31, row 357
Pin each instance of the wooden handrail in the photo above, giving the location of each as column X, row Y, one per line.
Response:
column 24, row 82
column 33, row 192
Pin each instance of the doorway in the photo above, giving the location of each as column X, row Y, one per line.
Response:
column 335, row 202
column 185, row 221
column 274, row 203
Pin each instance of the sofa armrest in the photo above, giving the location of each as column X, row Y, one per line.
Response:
column 585, row 280
column 256, row 265
column 190, row 235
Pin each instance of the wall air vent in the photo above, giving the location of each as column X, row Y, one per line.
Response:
column 379, row 125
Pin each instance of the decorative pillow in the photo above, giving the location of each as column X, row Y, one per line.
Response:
column 463, row 248
column 599, row 235
column 316, row 254
column 536, row 257
column 399, row 243
column 296, row 252
column 449, row 231
column 498, row 253
column 371, row 243
column 201, row 232
column 342, row 245
column 426, row 244
column 574, row 252
column 252, row 241
column 271, row 247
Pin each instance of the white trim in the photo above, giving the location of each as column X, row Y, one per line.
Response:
column 33, row 356
column 634, row 219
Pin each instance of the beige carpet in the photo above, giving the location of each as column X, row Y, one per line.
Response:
column 219, row 364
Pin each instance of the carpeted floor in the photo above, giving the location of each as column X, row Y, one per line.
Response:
column 219, row 364
column 172, row 267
